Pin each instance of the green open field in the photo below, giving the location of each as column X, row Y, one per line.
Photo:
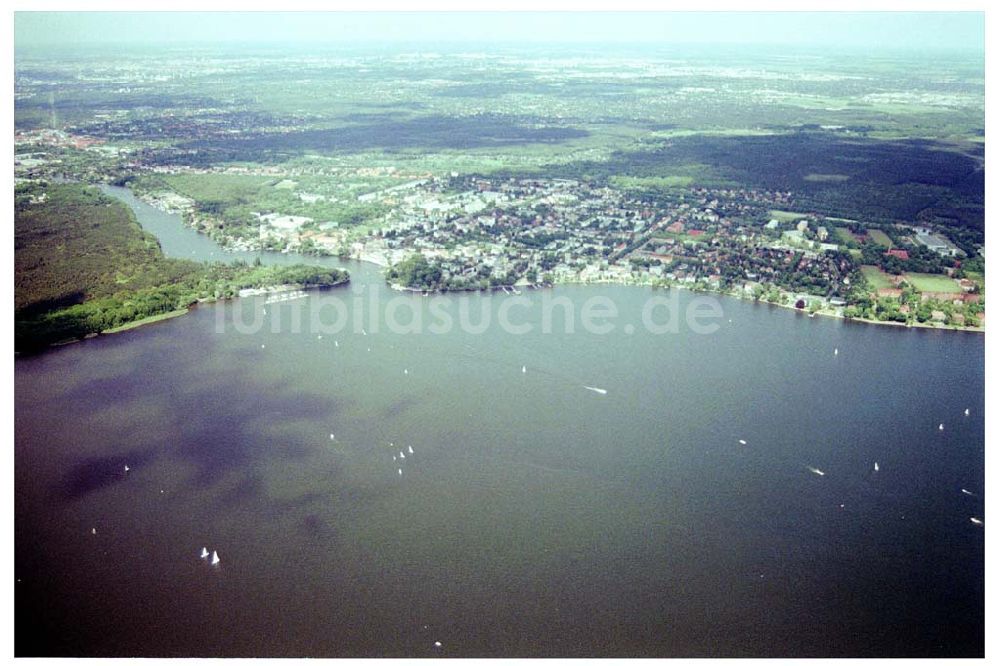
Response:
column 825, row 177
column 931, row 282
column 652, row 181
column 786, row 216
column 877, row 279
column 844, row 234
column 224, row 188
column 880, row 237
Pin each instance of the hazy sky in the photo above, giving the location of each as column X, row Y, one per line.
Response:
column 888, row 29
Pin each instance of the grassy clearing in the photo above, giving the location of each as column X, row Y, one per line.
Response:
column 880, row 237
column 825, row 177
column 931, row 282
column 786, row 216
column 224, row 188
column 652, row 182
column 674, row 133
column 876, row 278
column 147, row 320
column 844, row 234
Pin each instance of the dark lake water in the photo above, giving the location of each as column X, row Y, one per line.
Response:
column 535, row 517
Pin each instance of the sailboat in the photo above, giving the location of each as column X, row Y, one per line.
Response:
column 596, row 390
column 940, row 426
column 524, row 369
column 204, row 552
column 410, row 449
column 966, row 411
column 876, row 467
column 215, row 557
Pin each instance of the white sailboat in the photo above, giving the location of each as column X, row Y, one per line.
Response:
column 743, row 441
column 524, row 369
column 215, row 557
column 410, row 449
column 816, row 471
column 596, row 390
column 876, row 467
column 966, row 411
column 940, row 426
column 204, row 552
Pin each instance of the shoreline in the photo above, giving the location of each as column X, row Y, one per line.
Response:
column 370, row 258
column 632, row 283
column 145, row 321
column 172, row 314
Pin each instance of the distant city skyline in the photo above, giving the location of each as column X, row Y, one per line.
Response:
column 874, row 30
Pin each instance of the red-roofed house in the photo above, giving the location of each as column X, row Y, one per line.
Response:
column 695, row 232
column 899, row 254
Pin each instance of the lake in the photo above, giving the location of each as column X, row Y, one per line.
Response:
column 534, row 517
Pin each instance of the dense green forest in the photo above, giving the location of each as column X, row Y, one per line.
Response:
column 83, row 265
